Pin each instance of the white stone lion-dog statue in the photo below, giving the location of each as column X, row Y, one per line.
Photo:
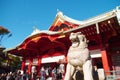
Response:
column 78, row 57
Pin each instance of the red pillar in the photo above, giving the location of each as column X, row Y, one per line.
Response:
column 23, row 65
column 39, row 63
column 30, row 65
column 105, row 61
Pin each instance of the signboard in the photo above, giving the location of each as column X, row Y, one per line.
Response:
column 52, row 59
column 35, row 61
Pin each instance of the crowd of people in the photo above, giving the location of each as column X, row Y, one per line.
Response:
column 45, row 73
column 12, row 76
column 51, row 74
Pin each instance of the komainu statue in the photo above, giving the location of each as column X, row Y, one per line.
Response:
column 78, row 58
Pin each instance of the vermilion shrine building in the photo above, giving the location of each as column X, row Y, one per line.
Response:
column 50, row 47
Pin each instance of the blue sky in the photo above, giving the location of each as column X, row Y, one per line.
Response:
column 19, row 16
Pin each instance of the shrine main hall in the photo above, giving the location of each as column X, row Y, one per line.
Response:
column 50, row 47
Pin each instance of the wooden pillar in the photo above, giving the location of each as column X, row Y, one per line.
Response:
column 105, row 61
column 23, row 65
column 30, row 66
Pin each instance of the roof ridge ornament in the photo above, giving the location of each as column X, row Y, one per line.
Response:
column 59, row 13
column 35, row 30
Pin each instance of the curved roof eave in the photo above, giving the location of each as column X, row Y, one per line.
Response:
column 45, row 32
column 7, row 50
column 33, row 34
column 66, row 18
column 101, row 18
